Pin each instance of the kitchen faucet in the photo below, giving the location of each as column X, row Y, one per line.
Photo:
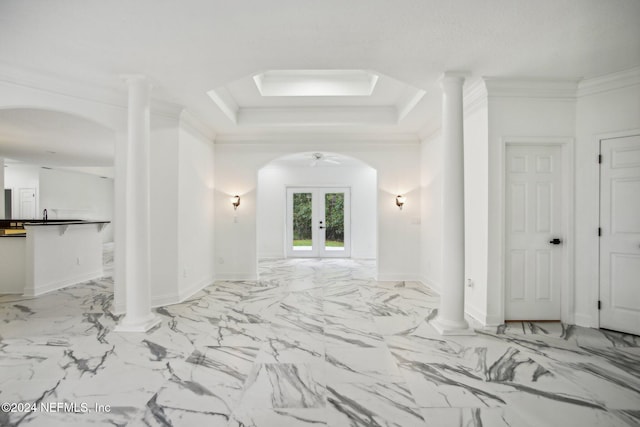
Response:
column 45, row 216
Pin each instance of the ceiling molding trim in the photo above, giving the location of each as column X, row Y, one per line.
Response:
column 609, row 82
column 45, row 82
column 225, row 102
column 310, row 139
column 531, row 88
column 316, row 116
column 194, row 125
column 408, row 102
column 165, row 109
column 475, row 96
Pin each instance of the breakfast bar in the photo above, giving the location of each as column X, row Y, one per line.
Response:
column 41, row 256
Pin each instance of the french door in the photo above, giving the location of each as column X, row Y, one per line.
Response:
column 318, row 222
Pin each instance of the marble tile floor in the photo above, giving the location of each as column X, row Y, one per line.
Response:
column 312, row 343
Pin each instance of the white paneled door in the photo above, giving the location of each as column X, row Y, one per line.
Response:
column 27, row 203
column 318, row 222
column 620, row 234
column 534, row 232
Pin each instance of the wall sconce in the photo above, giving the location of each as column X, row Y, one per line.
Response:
column 400, row 199
column 235, row 201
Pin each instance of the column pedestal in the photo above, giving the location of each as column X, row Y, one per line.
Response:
column 450, row 319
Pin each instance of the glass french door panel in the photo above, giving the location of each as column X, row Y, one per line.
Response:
column 334, row 221
column 302, row 222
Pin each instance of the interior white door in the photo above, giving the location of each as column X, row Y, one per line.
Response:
column 534, row 232
column 620, row 234
column 318, row 222
column 27, row 203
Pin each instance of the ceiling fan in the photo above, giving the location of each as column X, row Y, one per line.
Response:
column 316, row 158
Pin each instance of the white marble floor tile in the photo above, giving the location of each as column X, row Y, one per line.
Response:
column 361, row 365
column 284, row 385
column 372, row 404
column 312, row 343
column 314, row 417
column 473, row 417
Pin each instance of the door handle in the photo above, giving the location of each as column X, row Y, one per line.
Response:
column 555, row 241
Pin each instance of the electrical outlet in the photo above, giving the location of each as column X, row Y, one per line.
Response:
column 78, row 260
column 470, row 283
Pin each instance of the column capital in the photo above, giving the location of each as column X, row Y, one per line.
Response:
column 136, row 79
column 455, row 77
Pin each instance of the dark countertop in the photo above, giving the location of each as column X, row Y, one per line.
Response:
column 62, row 222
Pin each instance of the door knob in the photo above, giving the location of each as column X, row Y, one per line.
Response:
column 555, row 241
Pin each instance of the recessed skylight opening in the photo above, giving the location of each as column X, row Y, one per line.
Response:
column 316, row 83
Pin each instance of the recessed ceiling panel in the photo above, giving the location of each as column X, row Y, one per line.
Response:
column 316, row 83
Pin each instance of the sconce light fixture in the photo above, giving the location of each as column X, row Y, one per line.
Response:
column 235, row 201
column 400, row 199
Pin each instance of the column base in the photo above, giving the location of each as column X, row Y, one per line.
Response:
column 137, row 325
column 452, row 327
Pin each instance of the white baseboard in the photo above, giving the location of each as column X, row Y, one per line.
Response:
column 166, row 299
column 430, row 284
column 274, row 255
column 195, row 288
column 235, row 277
column 477, row 315
column 493, row 320
column 54, row 286
column 585, row 320
column 397, row 277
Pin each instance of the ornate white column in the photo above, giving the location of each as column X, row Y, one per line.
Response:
column 450, row 319
column 138, row 317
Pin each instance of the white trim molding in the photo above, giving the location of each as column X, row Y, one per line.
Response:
column 531, row 87
column 608, row 82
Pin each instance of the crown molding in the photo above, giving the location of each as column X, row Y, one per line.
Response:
column 114, row 95
column 531, row 88
column 317, row 116
column 609, row 82
column 195, row 125
column 317, row 138
column 475, row 96
column 74, row 88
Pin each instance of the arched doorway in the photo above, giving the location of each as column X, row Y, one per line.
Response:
column 331, row 174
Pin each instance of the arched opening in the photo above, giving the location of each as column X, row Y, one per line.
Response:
column 59, row 163
column 333, row 175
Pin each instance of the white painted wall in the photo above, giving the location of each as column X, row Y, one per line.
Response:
column 431, row 212
column 76, row 195
column 195, row 212
column 515, row 115
column 398, row 168
column 271, row 222
column 606, row 106
column 163, row 216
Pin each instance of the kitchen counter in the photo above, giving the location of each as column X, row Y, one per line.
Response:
column 49, row 255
